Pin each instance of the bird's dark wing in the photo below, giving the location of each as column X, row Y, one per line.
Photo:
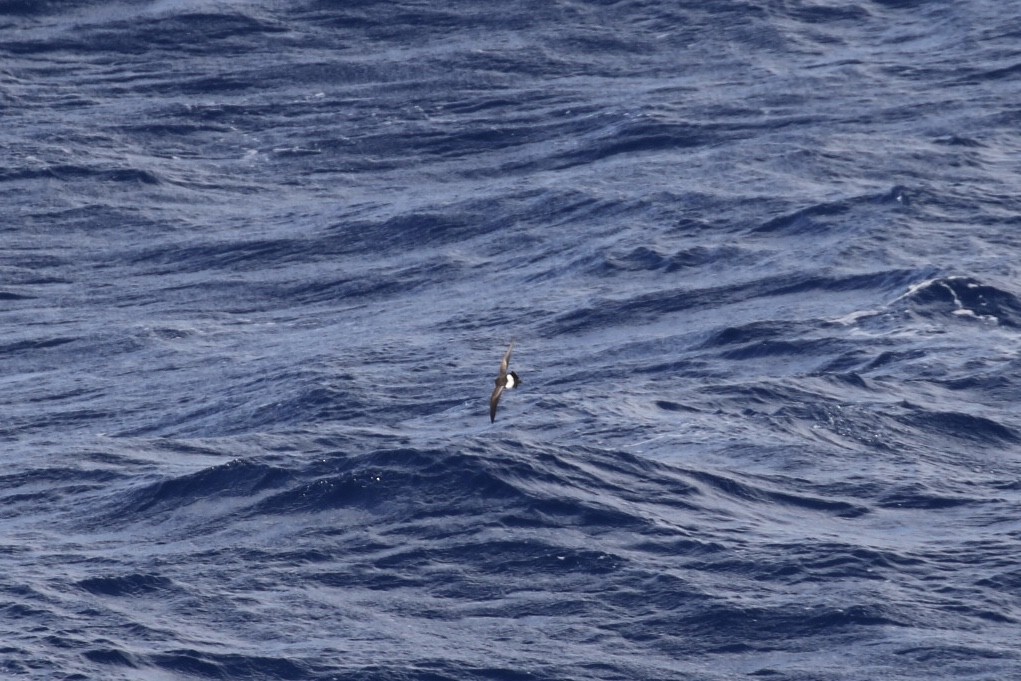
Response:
column 494, row 400
column 506, row 361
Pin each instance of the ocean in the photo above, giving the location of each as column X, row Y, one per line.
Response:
column 260, row 260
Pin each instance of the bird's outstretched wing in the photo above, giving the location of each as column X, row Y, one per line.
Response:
column 506, row 361
column 495, row 400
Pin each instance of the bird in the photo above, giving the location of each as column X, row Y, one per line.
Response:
column 504, row 381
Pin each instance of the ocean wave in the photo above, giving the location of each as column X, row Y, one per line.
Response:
column 261, row 263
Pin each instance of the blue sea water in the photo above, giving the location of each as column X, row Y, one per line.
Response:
column 259, row 261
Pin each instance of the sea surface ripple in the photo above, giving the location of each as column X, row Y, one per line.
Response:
column 260, row 261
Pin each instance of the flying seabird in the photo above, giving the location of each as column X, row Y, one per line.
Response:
column 504, row 380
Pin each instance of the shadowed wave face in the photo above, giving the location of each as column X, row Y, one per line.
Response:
column 260, row 262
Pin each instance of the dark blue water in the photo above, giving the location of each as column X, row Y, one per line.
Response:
column 259, row 262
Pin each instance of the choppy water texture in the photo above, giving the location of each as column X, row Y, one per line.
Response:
column 260, row 260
